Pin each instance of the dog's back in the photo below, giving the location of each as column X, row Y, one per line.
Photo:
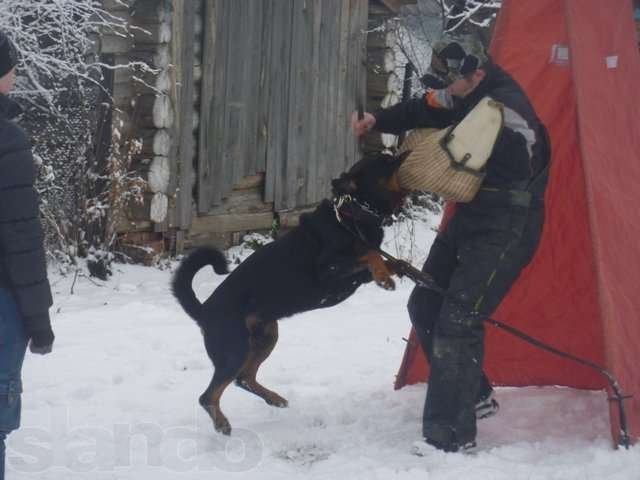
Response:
column 313, row 266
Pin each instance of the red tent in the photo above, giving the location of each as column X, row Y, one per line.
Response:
column 578, row 61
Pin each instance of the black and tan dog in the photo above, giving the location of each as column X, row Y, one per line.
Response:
column 316, row 265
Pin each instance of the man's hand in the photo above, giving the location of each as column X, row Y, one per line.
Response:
column 41, row 341
column 361, row 126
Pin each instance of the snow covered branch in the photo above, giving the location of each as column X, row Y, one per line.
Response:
column 57, row 39
column 457, row 13
column 85, row 177
column 420, row 25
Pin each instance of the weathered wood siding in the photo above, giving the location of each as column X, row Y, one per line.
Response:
column 279, row 83
column 183, row 148
column 247, row 118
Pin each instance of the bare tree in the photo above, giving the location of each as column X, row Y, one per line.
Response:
column 60, row 82
column 419, row 26
column 470, row 16
column 57, row 40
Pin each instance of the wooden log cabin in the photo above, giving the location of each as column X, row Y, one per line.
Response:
column 246, row 120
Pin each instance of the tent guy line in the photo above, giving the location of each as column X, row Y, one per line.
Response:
column 424, row 280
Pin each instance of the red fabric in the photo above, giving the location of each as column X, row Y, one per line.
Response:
column 608, row 119
column 578, row 294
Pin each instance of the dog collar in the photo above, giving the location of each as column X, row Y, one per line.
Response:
column 343, row 200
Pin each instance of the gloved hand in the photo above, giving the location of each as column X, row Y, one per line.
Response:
column 38, row 329
column 360, row 127
column 41, row 341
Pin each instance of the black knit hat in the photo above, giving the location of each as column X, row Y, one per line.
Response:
column 8, row 55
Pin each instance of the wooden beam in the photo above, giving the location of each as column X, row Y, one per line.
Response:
column 231, row 223
column 394, row 5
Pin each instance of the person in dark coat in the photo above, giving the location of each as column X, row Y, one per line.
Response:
column 484, row 246
column 25, row 296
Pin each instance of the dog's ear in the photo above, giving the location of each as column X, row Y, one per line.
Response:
column 343, row 185
column 403, row 156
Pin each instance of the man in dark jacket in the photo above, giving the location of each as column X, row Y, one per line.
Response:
column 484, row 246
column 25, row 296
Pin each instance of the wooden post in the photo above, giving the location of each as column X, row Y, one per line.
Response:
column 182, row 155
column 208, row 89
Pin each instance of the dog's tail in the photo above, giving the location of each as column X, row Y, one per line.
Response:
column 182, row 279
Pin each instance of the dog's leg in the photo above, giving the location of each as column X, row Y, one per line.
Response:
column 379, row 270
column 227, row 366
column 210, row 401
column 263, row 340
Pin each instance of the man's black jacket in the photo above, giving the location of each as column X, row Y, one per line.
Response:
column 522, row 149
column 23, row 268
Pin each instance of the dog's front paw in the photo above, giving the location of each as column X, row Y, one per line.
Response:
column 396, row 267
column 379, row 270
column 385, row 282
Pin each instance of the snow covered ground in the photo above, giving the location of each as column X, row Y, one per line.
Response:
column 117, row 399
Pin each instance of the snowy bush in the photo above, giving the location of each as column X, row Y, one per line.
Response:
column 56, row 41
column 60, row 85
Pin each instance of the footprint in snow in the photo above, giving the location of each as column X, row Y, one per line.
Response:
column 317, row 422
column 83, row 393
column 126, row 288
column 303, row 455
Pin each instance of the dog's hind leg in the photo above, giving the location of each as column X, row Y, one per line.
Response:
column 262, row 341
column 228, row 364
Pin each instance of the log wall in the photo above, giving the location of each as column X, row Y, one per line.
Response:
column 245, row 120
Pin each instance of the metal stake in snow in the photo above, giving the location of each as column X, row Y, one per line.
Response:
column 424, row 280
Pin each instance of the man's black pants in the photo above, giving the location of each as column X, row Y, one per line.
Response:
column 476, row 259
